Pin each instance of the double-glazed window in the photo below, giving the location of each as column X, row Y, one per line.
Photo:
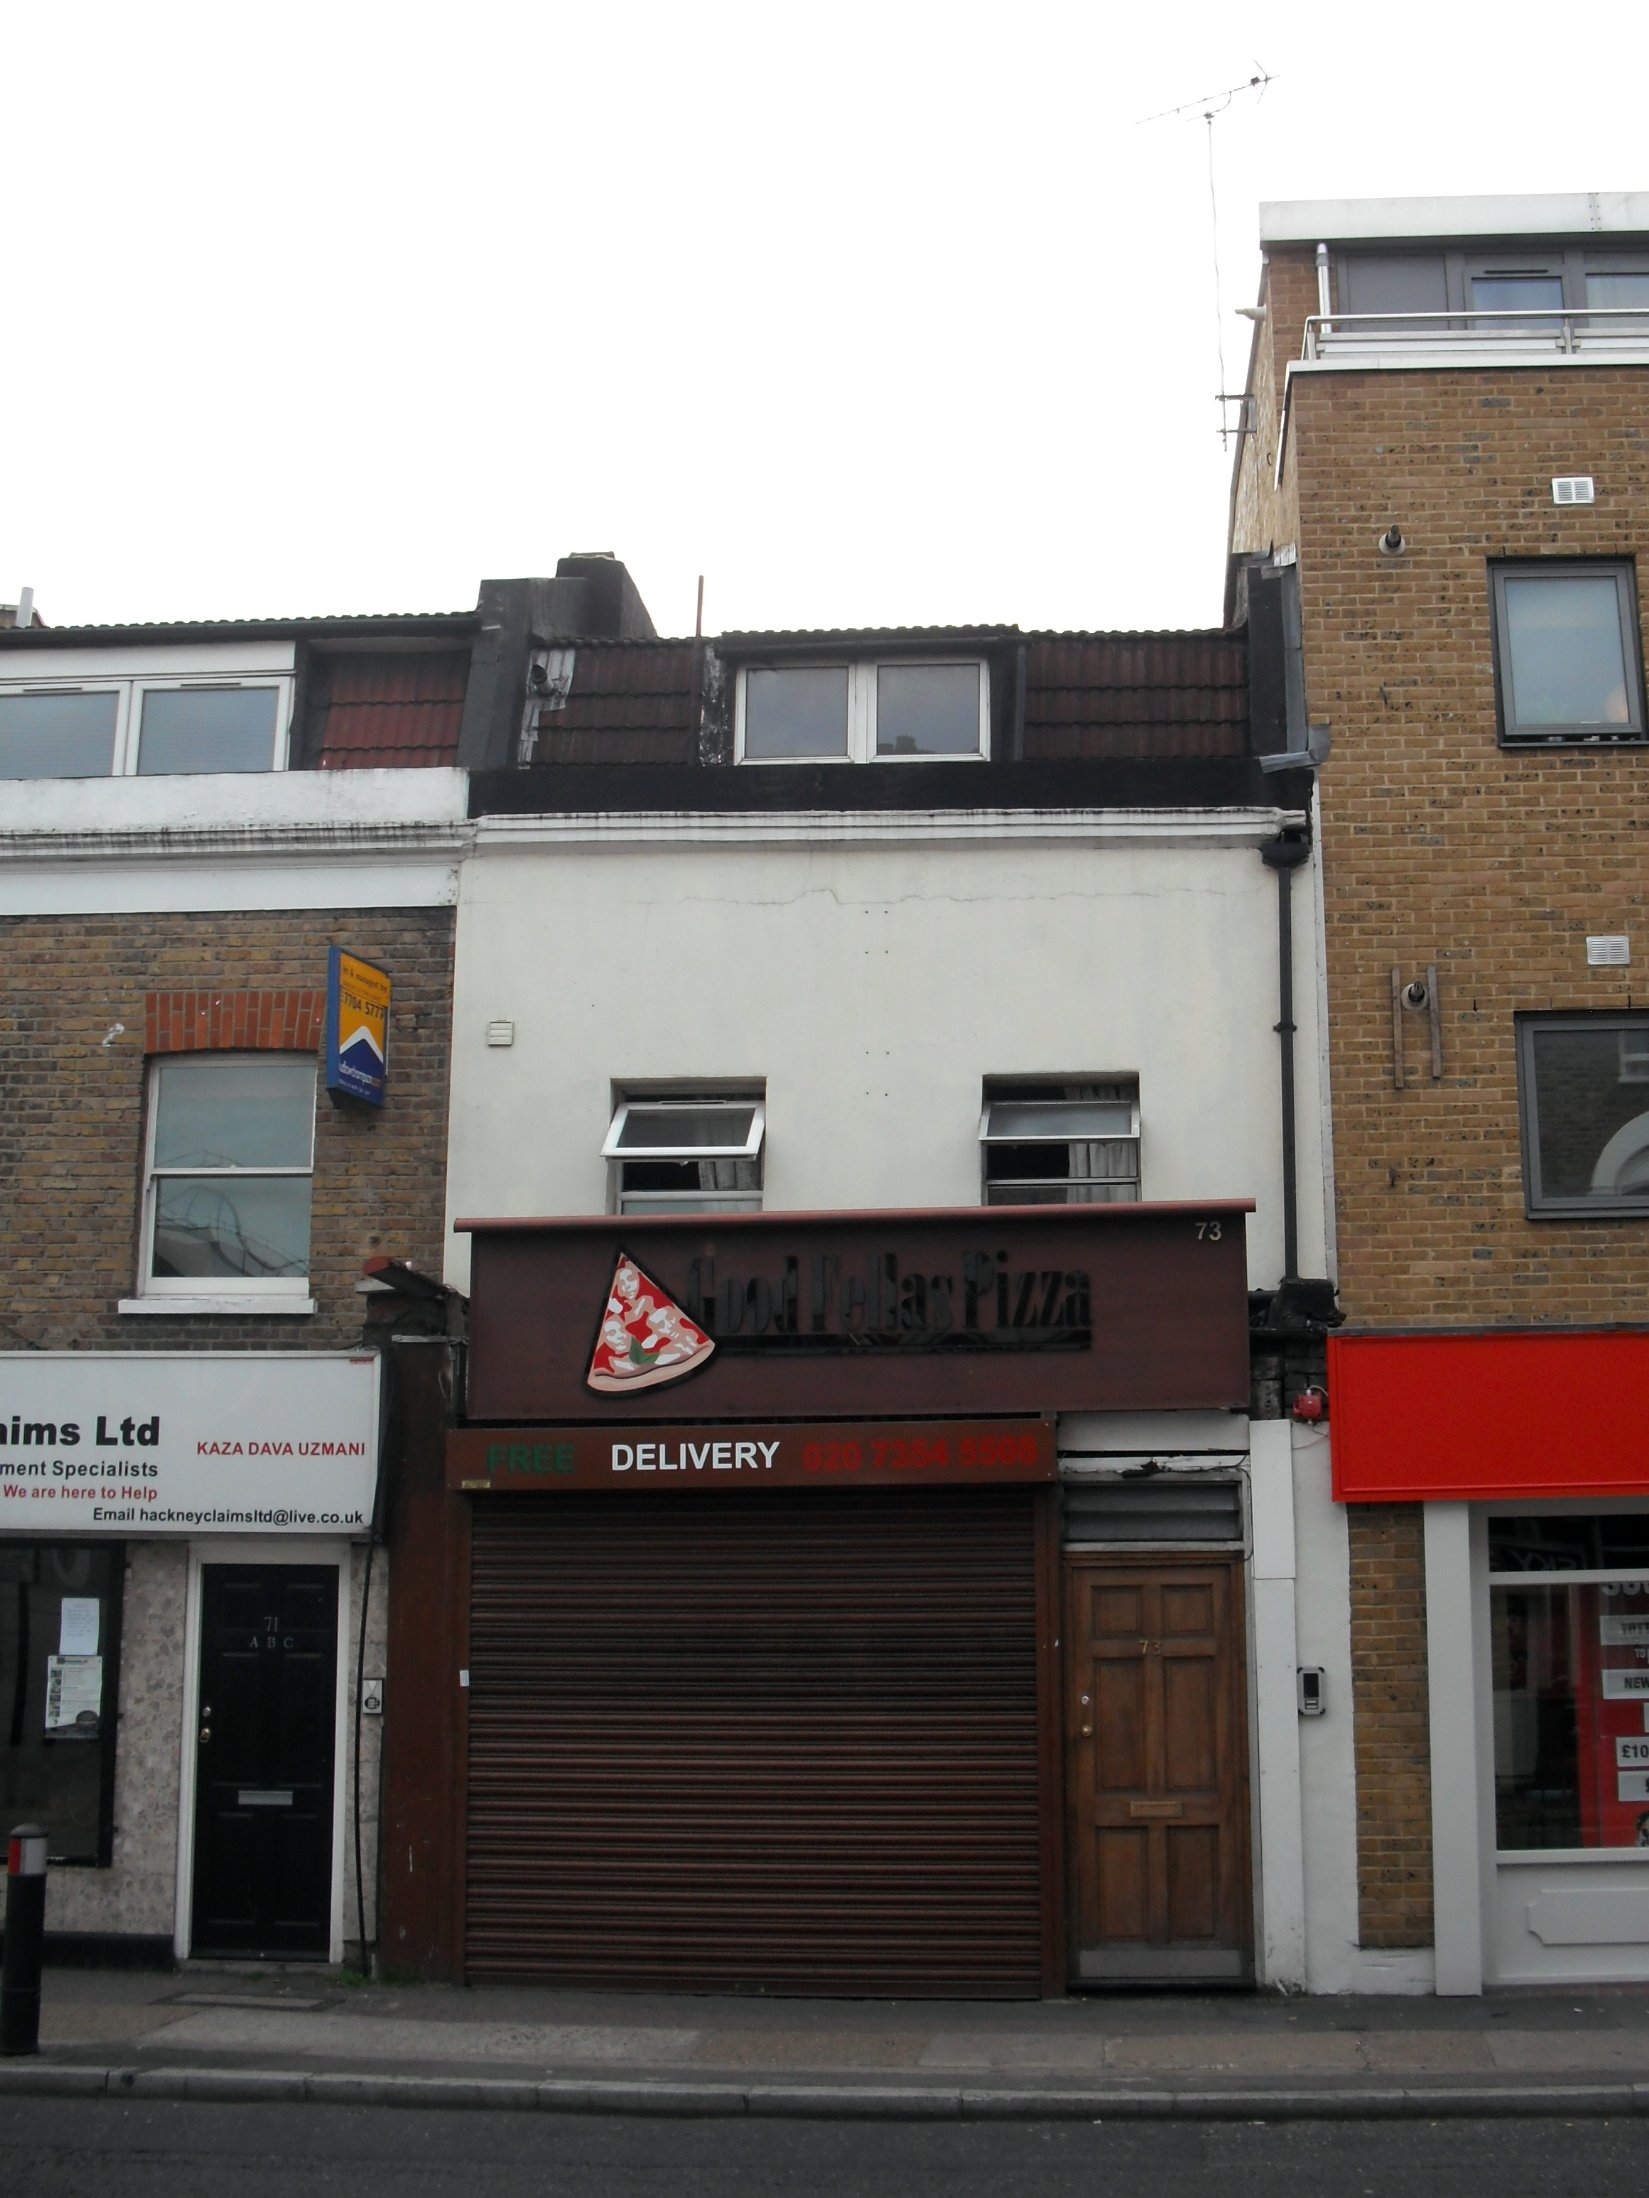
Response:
column 1569, row 1638
column 1072, row 1143
column 1566, row 651
column 683, row 1152
column 231, row 1155
column 143, row 727
column 1585, row 1109
column 862, row 712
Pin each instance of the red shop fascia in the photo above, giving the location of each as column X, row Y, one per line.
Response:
column 668, row 1358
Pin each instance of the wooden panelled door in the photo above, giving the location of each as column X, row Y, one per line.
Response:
column 1157, row 1771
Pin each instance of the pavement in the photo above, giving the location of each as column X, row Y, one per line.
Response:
column 302, row 2033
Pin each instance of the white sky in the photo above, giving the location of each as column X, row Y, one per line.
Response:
column 873, row 314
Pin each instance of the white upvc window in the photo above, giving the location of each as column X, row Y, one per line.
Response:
column 1067, row 1143
column 867, row 711
column 686, row 1152
column 228, row 1173
column 143, row 727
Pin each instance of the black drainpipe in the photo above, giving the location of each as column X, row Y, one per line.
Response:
column 1285, row 854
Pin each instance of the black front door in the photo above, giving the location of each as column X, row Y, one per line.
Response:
column 263, row 1760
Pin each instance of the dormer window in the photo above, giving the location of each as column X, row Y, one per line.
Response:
column 142, row 727
column 866, row 711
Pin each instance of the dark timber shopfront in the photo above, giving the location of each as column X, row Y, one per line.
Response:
column 745, row 1557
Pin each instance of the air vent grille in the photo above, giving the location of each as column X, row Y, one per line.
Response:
column 1154, row 1510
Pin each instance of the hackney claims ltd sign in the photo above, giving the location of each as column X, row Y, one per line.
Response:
column 140, row 1442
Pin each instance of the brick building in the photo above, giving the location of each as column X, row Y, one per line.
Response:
column 220, row 844
column 1444, row 466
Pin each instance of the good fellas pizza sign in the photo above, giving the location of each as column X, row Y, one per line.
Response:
column 994, row 1310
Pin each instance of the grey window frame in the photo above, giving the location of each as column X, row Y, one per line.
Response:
column 1623, row 572
column 1569, row 262
column 1538, row 1203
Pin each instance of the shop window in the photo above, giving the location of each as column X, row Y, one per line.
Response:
column 1569, row 1656
column 1585, row 1123
column 144, row 727
column 1071, row 1143
column 1566, row 651
column 865, row 712
column 685, row 1152
column 59, row 1664
column 231, row 1148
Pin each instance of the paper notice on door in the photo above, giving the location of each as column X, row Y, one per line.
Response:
column 74, row 1694
column 77, row 1628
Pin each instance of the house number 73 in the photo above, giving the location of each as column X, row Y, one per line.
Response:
column 1210, row 1231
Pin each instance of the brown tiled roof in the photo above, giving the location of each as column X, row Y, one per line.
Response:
column 630, row 702
column 1086, row 695
column 390, row 711
column 1181, row 694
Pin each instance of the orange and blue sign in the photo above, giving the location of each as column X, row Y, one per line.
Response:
column 357, row 1027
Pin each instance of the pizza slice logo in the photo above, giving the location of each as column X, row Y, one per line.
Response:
column 645, row 1336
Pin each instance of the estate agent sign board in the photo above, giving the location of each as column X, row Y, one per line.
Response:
column 824, row 1316
column 228, row 1442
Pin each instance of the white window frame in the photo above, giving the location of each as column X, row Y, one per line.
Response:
column 213, row 1293
column 861, row 707
column 129, row 693
column 617, row 1154
column 1009, row 1091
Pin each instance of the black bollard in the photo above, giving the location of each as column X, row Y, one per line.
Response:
column 25, row 1939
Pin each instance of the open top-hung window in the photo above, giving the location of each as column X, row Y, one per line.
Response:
column 230, row 1168
column 143, row 727
column 1073, row 1143
column 686, row 1153
column 1566, row 651
column 863, row 712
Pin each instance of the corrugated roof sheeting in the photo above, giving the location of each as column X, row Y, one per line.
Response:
column 1136, row 695
column 387, row 711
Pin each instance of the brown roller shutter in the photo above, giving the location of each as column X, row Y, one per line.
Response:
column 784, row 1742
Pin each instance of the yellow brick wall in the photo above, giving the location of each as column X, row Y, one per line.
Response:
column 1442, row 849
column 72, row 1116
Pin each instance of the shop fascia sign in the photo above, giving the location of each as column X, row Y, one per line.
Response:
column 136, row 1442
column 864, row 1315
column 834, row 1305
column 828, row 1454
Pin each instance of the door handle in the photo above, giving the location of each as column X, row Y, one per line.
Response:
column 205, row 1734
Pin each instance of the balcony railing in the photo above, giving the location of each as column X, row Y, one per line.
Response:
column 1597, row 331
